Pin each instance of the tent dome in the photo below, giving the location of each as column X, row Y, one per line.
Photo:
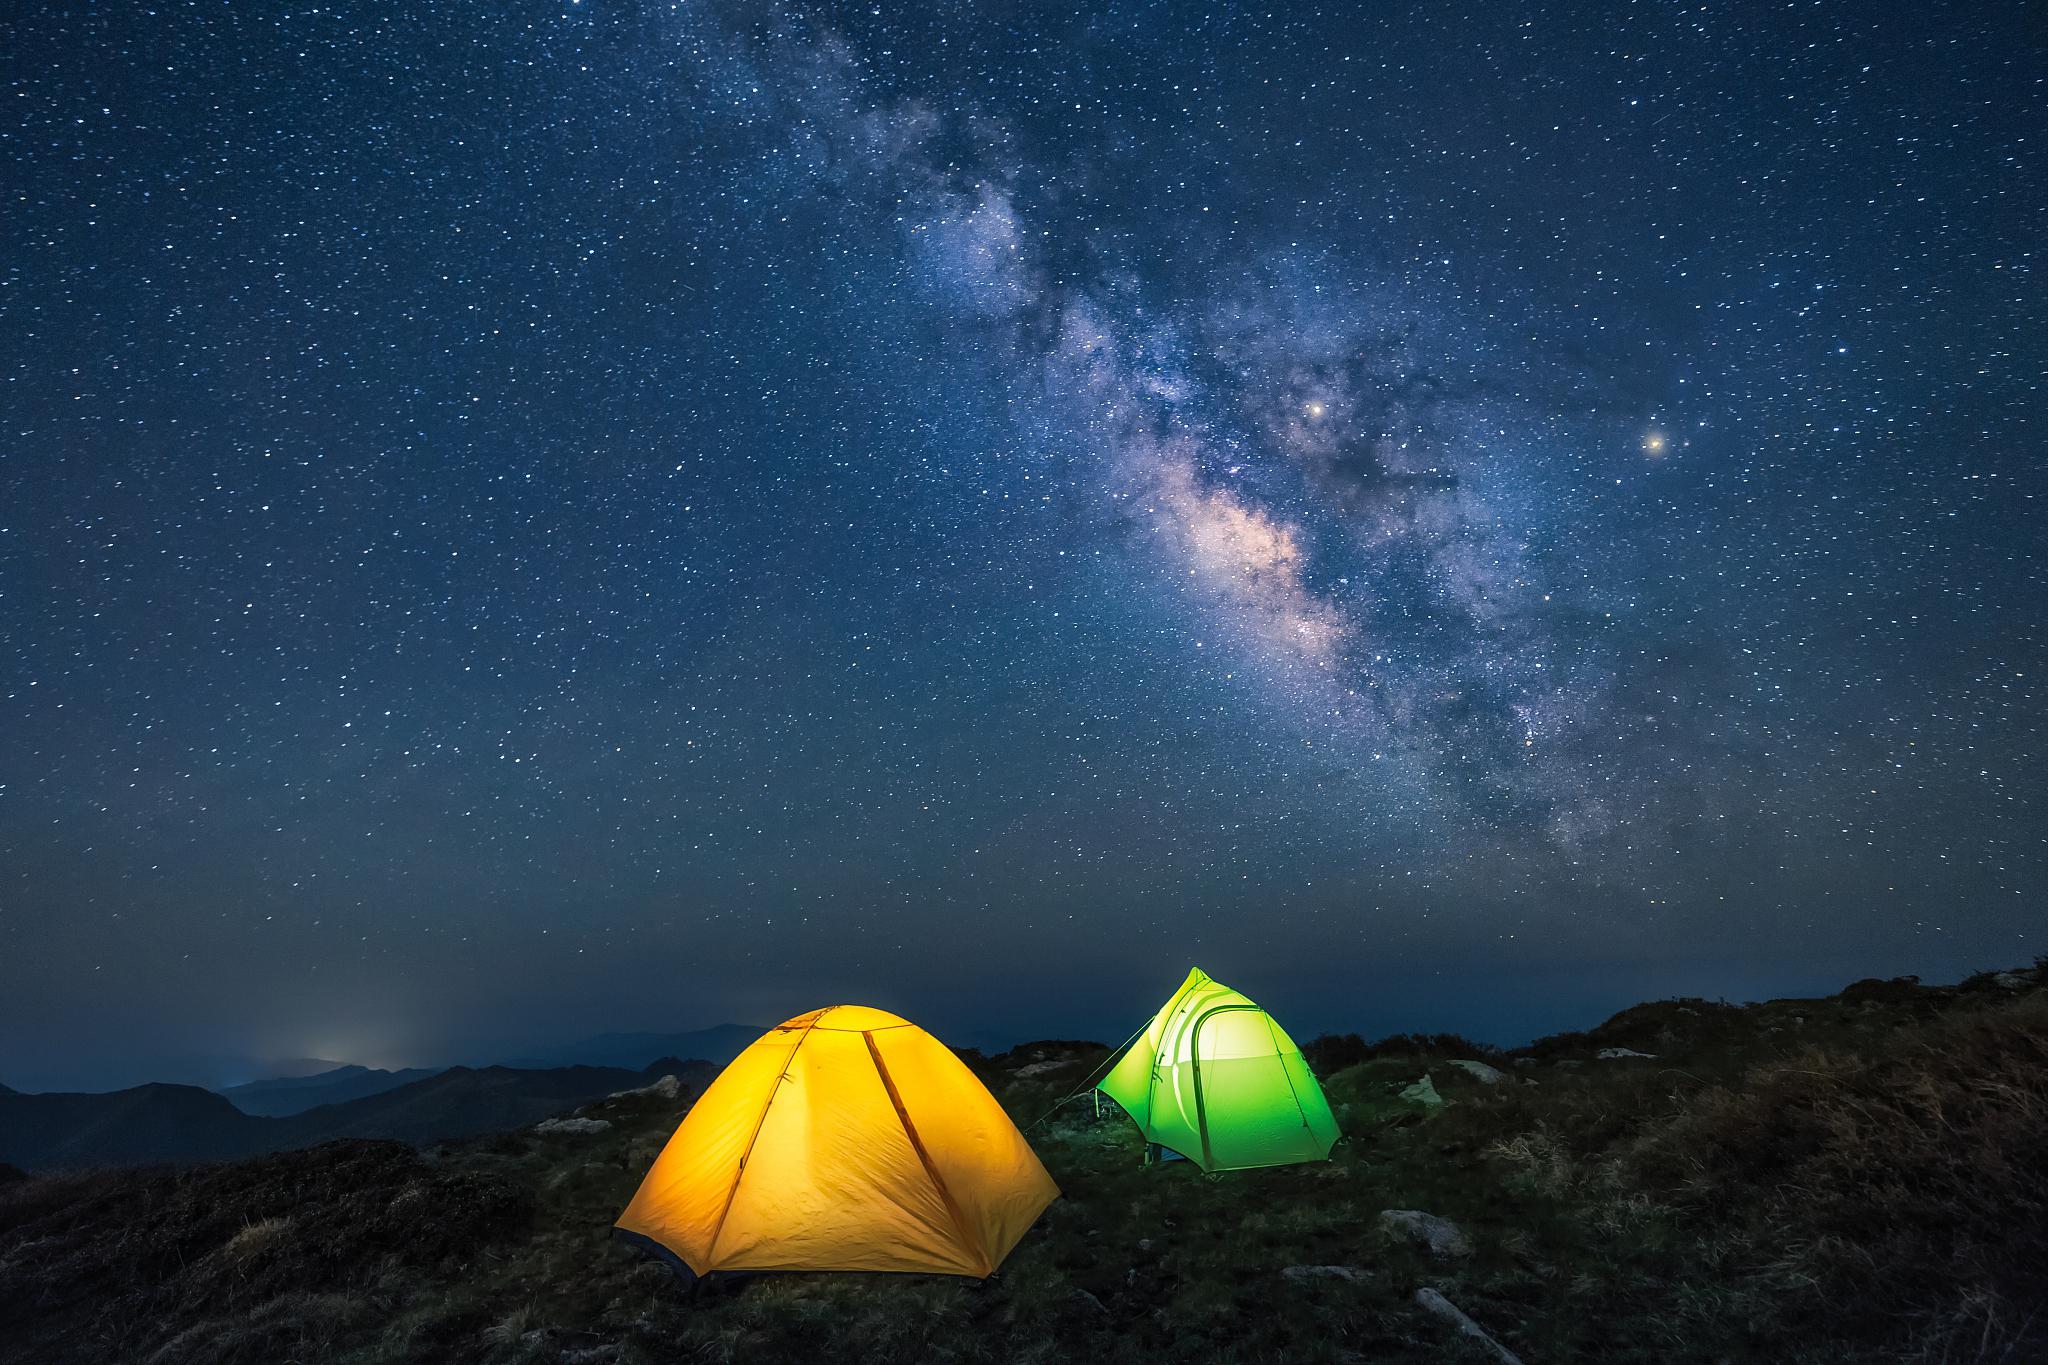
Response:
column 1213, row 1077
column 843, row 1139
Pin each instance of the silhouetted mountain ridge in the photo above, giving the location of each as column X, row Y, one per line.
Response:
column 297, row 1094
column 154, row 1122
column 720, row 1043
column 182, row 1123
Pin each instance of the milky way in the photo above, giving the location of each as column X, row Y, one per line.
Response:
column 1315, row 498
column 522, row 521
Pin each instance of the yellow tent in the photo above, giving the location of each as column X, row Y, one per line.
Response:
column 844, row 1139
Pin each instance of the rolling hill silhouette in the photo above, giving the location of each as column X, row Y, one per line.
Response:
column 182, row 1123
column 296, row 1094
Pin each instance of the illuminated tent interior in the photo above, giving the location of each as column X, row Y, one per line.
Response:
column 843, row 1139
column 1215, row 1079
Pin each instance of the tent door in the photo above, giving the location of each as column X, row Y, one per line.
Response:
column 1195, row 1057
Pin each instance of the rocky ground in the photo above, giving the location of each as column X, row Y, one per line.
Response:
column 1859, row 1178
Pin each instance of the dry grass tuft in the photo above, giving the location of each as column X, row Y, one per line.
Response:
column 1904, row 1192
column 255, row 1237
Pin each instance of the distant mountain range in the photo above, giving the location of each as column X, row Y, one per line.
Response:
column 304, row 1101
column 259, row 1085
column 718, row 1044
column 296, row 1094
column 182, row 1123
column 210, row 1071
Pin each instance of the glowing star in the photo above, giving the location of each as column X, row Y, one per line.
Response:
column 1654, row 443
column 1315, row 409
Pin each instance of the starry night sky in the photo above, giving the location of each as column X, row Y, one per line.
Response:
column 519, row 520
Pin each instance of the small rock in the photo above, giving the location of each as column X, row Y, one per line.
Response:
column 1440, row 1235
column 667, row 1088
column 1525, row 1063
column 1430, row 1301
column 1085, row 1297
column 1144, row 1244
column 1325, row 1272
column 1423, row 1092
column 572, row 1126
column 1486, row 1074
column 1615, row 1054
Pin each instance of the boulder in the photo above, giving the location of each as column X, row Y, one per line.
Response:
column 571, row 1126
column 1615, row 1054
column 1443, row 1237
column 1485, row 1074
column 667, row 1088
column 1432, row 1302
column 1041, row 1068
column 1423, row 1092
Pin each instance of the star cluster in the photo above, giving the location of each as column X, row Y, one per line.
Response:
column 556, row 517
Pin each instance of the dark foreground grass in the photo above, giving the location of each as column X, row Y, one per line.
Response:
column 1863, row 1178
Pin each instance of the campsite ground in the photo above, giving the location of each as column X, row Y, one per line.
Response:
column 1858, row 1178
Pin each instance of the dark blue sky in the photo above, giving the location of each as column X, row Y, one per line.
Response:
column 518, row 520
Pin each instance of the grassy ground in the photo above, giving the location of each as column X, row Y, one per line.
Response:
column 1861, row 1178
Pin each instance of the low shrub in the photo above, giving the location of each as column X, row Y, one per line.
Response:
column 1904, row 1192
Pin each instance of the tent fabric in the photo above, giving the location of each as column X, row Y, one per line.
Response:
column 1214, row 1078
column 843, row 1139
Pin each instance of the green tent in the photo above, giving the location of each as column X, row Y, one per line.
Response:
column 1215, row 1079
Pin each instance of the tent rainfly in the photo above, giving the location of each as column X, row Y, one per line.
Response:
column 844, row 1139
column 1215, row 1079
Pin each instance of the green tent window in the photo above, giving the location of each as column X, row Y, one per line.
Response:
column 1214, row 1078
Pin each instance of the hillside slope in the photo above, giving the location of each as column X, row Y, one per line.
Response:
column 462, row 1101
column 145, row 1123
column 1857, row 1179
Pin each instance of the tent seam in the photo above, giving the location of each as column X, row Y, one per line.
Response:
column 1285, row 1075
column 924, row 1159
column 718, row 1230
column 1187, row 992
